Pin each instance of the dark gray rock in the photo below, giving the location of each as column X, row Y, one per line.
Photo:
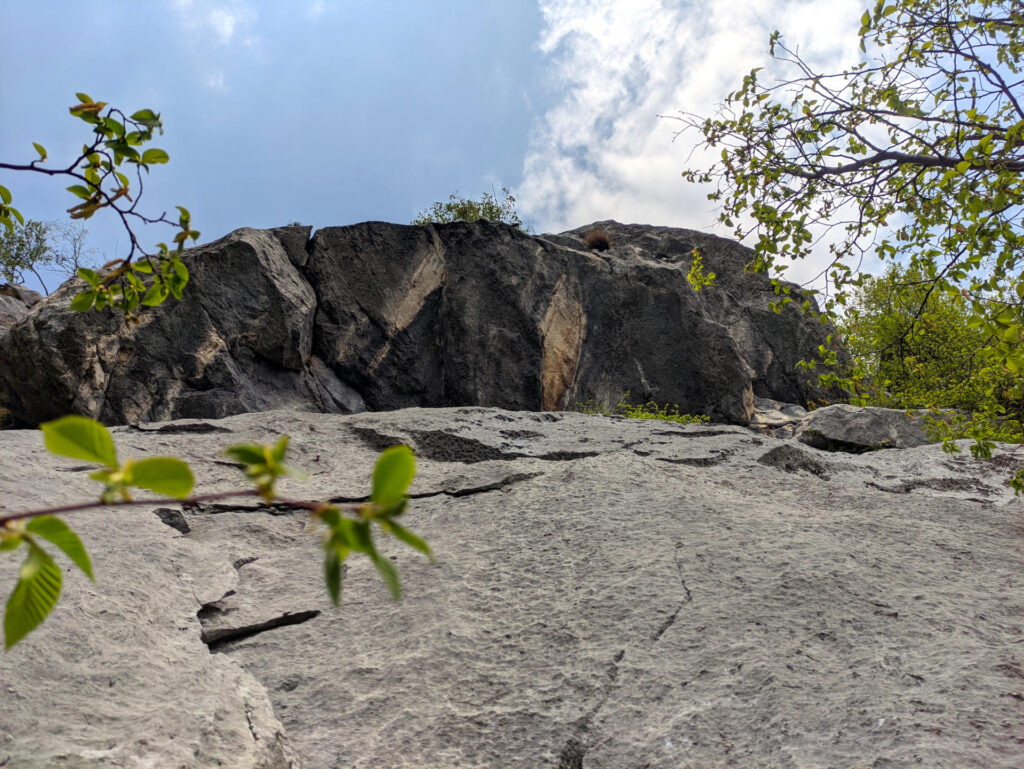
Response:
column 241, row 341
column 842, row 427
column 392, row 316
column 609, row 593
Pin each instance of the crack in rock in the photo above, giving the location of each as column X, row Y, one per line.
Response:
column 442, row 446
column 720, row 456
column 695, row 433
column 181, row 429
column 493, row 486
column 937, row 484
column 572, row 753
column 669, row 622
column 216, row 639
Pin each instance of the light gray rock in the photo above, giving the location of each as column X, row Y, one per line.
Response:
column 609, row 593
column 15, row 302
column 776, row 418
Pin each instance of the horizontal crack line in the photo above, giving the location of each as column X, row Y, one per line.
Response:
column 218, row 638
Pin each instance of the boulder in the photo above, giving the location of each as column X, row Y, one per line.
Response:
column 842, row 427
column 608, row 593
column 15, row 302
column 241, row 341
column 385, row 316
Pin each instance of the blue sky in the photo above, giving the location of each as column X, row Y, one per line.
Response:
column 331, row 112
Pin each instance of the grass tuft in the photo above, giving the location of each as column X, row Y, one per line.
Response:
column 649, row 410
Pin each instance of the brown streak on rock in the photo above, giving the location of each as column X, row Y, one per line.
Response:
column 562, row 332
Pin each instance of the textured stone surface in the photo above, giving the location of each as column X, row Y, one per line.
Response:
column 848, row 428
column 609, row 593
column 386, row 316
column 15, row 302
column 241, row 341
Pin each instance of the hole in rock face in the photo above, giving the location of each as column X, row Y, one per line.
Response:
column 597, row 240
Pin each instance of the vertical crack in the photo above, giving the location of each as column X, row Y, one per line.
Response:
column 682, row 578
column 572, row 753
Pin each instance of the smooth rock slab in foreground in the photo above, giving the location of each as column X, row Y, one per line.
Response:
column 610, row 593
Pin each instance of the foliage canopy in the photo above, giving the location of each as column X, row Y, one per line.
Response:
column 914, row 154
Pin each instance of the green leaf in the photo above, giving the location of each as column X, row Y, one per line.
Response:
column 144, row 267
column 41, row 150
column 83, row 98
column 280, row 449
column 389, row 573
column 12, row 541
column 145, row 116
column 392, row 475
column 81, row 191
column 165, row 475
column 410, row 539
column 89, row 276
column 246, row 453
column 5, row 195
column 156, row 295
column 34, row 595
column 155, row 156
column 80, row 438
column 60, row 534
column 332, row 575
column 83, row 301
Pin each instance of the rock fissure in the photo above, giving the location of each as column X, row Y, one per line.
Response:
column 220, row 637
column 575, row 748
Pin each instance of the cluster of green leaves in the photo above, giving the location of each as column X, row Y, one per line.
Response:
column 918, row 348
column 40, row 579
column 100, row 182
column 914, row 348
column 696, row 277
column 649, row 410
column 914, row 154
column 458, row 209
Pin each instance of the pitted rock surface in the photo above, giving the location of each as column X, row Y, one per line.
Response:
column 383, row 316
column 659, row 595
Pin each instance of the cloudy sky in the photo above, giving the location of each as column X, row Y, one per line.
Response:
column 331, row 112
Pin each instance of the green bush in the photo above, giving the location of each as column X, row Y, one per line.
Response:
column 464, row 210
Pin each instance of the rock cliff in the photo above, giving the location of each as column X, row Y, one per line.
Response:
column 383, row 316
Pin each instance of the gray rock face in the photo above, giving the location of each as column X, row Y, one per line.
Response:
column 385, row 316
column 609, row 593
column 242, row 341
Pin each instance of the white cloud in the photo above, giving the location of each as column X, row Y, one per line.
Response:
column 221, row 21
column 601, row 151
column 316, row 9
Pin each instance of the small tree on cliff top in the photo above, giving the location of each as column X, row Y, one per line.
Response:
column 465, row 210
column 915, row 153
